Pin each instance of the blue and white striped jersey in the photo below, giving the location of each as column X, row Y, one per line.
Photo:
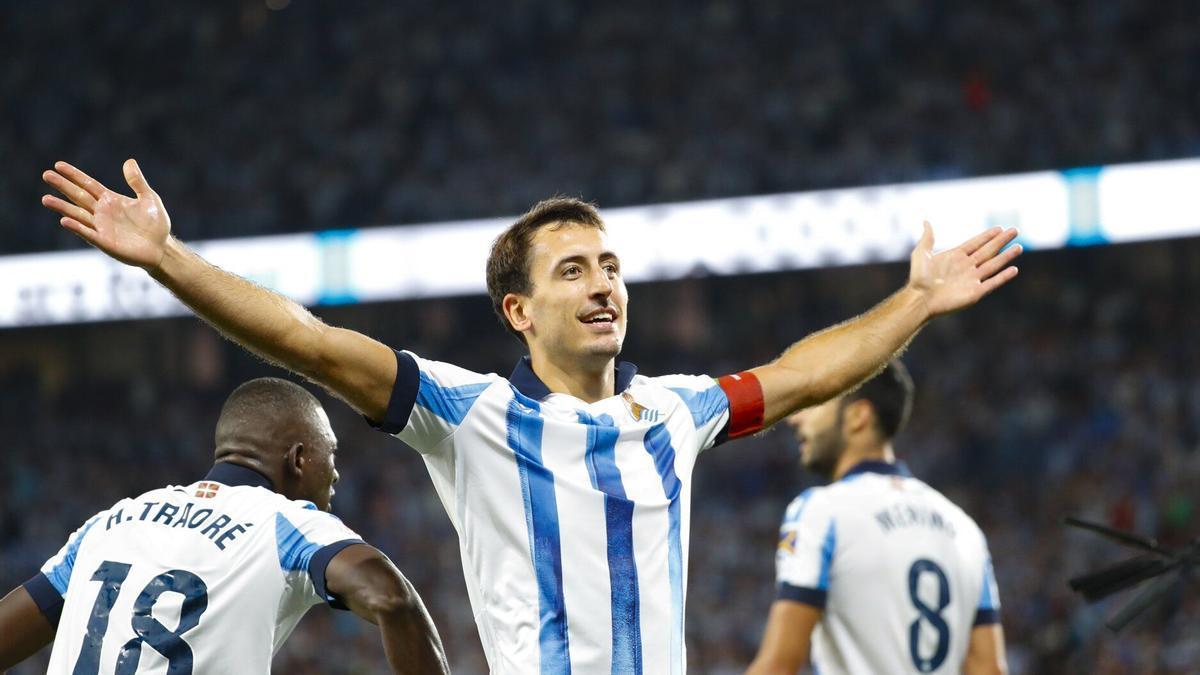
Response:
column 204, row 578
column 572, row 517
column 902, row 573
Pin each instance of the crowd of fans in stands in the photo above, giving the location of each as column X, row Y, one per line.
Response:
column 318, row 116
column 1073, row 391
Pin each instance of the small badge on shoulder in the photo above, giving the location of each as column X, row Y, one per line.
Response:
column 639, row 412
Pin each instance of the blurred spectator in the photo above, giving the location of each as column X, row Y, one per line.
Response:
column 1073, row 391
column 317, row 115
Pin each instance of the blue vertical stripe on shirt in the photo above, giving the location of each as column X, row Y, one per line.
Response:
column 602, row 434
column 658, row 444
column 524, row 424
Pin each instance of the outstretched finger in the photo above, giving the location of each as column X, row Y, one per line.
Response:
column 70, row 190
column 93, row 187
column 67, row 209
column 973, row 244
column 925, row 243
column 1006, row 275
column 137, row 181
column 86, row 233
column 991, row 267
column 991, row 248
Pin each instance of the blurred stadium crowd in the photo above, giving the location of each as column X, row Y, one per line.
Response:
column 320, row 115
column 1074, row 391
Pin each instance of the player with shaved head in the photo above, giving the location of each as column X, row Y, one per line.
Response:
column 569, row 481
column 212, row 576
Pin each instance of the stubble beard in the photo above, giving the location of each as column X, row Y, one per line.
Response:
column 825, row 450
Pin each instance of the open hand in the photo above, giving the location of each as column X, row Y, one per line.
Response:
column 132, row 230
column 961, row 276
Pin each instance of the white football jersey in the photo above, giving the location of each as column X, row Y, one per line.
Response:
column 572, row 517
column 902, row 574
column 204, row 578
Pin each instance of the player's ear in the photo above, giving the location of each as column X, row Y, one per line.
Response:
column 294, row 460
column 516, row 310
column 858, row 415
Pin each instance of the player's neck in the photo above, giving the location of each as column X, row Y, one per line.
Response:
column 853, row 456
column 588, row 384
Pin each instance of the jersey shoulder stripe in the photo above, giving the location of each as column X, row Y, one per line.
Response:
column 451, row 403
column 60, row 574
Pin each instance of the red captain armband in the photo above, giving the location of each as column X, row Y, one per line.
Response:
column 745, row 403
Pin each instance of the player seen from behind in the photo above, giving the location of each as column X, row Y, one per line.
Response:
column 877, row 571
column 211, row 577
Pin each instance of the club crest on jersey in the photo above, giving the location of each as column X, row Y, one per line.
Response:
column 639, row 412
column 207, row 490
column 787, row 542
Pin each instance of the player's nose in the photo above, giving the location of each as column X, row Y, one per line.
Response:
column 602, row 285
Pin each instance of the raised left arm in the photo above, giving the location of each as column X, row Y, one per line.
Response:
column 837, row 359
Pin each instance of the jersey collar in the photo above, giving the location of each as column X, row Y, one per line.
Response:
column 228, row 473
column 529, row 384
column 879, row 466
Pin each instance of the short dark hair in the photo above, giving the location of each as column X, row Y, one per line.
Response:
column 890, row 394
column 264, row 401
column 508, row 262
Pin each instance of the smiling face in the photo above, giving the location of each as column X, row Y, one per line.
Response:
column 575, row 312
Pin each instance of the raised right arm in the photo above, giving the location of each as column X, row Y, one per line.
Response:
column 137, row 231
column 358, row 368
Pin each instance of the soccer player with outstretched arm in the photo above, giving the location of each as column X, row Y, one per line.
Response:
column 568, row 482
column 210, row 577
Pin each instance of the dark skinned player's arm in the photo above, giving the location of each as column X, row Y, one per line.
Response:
column 370, row 585
column 24, row 630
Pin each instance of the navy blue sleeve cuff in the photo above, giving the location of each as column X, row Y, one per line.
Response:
column 987, row 617
column 404, row 395
column 318, row 564
column 809, row 596
column 46, row 597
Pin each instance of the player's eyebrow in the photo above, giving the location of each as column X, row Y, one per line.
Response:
column 580, row 258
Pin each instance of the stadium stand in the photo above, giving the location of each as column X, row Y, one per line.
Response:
column 252, row 121
column 1073, row 391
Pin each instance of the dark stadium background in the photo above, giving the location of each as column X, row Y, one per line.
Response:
column 1074, row 390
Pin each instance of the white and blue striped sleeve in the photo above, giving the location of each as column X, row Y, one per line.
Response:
column 429, row 400
column 807, row 550
column 988, row 611
column 706, row 402
column 306, row 539
column 49, row 586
